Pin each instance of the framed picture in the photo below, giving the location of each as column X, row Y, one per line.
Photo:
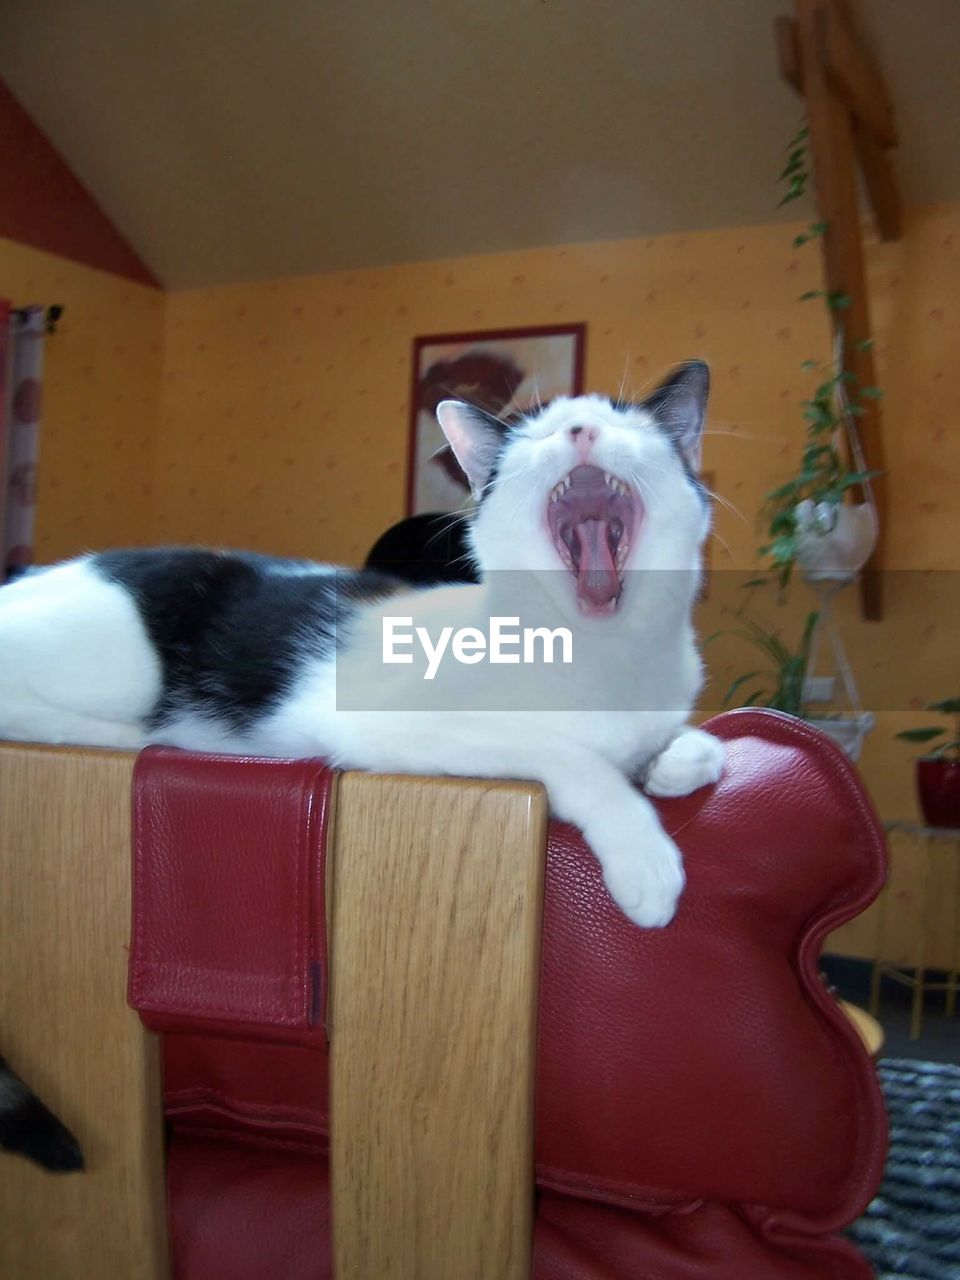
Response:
column 505, row 372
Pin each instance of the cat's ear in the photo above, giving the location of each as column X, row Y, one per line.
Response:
column 475, row 437
column 679, row 405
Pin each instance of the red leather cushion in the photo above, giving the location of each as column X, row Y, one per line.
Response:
column 706, row 1060
column 704, row 1109
column 577, row 1240
column 242, row 1211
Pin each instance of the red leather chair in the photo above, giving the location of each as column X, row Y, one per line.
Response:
column 704, row 1109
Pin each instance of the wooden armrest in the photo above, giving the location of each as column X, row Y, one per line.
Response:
column 435, row 899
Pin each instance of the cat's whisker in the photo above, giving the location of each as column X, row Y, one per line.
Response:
column 623, row 380
column 723, row 542
column 732, row 433
column 725, row 502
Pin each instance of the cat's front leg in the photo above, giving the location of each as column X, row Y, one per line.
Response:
column 693, row 759
column 641, row 865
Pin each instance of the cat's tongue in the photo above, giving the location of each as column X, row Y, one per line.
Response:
column 598, row 583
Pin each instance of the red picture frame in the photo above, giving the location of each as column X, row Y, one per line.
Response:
column 501, row 370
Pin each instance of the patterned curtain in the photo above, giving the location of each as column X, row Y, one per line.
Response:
column 22, row 398
column 4, row 384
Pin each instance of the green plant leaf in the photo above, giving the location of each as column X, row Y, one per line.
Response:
column 737, row 684
column 811, row 293
column 865, row 344
column 838, row 300
column 949, row 706
column 871, row 393
column 784, row 523
column 921, row 735
column 857, row 477
column 754, row 582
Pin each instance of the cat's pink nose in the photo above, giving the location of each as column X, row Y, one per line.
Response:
column 583, row 435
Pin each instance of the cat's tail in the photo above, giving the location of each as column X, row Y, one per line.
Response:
column 27, row 1127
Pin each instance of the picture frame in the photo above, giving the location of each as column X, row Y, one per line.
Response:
column 504, row 371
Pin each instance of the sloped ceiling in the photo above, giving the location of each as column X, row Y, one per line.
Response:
column 233, row 140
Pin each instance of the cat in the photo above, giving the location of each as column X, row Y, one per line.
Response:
column 589, row 520
column 28, row 1128
column 589, row 517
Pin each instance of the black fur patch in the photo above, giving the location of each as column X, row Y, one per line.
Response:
column 29, row 1129
column 689, row 386
column 232, row 629
column 425, row 550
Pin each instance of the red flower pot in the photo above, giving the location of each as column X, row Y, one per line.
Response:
column 938, row 785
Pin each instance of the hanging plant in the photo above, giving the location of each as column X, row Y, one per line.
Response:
column 808, row 520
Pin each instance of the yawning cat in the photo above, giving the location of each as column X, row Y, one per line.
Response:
column 589, row 519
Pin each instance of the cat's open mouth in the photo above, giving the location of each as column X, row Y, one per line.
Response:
column 592, row 516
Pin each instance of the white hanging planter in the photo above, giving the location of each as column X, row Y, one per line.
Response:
column 848, row 732
column 834, row 540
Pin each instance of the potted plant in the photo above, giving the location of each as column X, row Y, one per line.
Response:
column 783, row 684
column 938, row 773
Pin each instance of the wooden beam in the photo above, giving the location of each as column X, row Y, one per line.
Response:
column 437, row 908
column 833, row 157
column 878, row 176
column 788, row 51
column 879, row 179
column 853, row 75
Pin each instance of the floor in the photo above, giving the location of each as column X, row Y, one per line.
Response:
column 939, row 1039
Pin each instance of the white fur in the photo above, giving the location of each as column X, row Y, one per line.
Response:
column 75, row 664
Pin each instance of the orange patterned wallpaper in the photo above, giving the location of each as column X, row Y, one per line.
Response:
column 281, row 421
column 285, row 403
column 285, row 422
column 101, row 401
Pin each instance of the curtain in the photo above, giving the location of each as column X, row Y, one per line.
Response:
column 4, row 384
column 22, row 399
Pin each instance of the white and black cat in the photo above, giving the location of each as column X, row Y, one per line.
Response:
column 589, row 518
column 29, row 1129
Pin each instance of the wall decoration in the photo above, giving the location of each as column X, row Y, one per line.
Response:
column 504, row 371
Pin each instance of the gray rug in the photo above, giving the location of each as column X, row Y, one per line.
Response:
column 911, row 1231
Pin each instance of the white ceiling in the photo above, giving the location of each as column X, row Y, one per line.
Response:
column 240, row 139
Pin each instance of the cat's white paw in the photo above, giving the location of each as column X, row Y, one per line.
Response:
column 692, row 760
column 646, row 881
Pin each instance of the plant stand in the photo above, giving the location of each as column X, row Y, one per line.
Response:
column 847, row 731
